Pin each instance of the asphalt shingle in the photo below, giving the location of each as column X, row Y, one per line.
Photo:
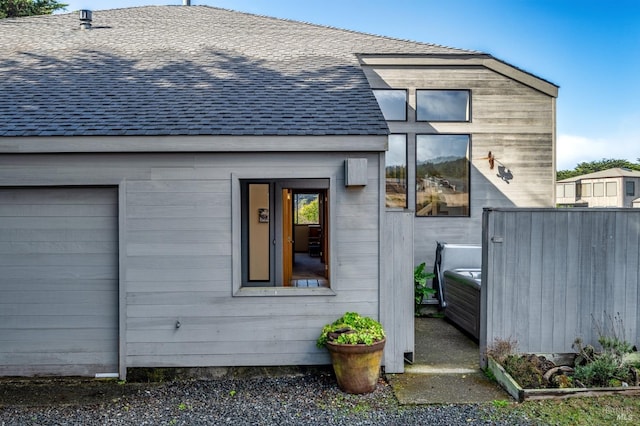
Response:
column 199, row 70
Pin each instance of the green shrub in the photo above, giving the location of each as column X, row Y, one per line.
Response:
column 351, row 329
column 421, row 291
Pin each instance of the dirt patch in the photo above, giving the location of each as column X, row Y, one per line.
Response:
column 41, row 392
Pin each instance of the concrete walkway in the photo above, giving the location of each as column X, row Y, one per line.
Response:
column 445, row 370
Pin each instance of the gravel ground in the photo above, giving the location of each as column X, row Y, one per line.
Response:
column 310, row 399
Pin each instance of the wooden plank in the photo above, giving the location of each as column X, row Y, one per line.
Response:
column 230, row 360
column 176, row 349
column 536, row 319
column 396, row 292
column 188, row 197
column 192, row 187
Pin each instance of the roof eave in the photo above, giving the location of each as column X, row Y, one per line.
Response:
column 181, row 144
column 461, row 59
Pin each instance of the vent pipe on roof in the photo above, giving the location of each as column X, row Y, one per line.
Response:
column 85, row 19
column 186, row 2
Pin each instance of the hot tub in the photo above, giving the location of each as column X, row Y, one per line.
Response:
column 461, row 290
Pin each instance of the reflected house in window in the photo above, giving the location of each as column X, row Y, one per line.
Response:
column 442, row 175
column 396, row 172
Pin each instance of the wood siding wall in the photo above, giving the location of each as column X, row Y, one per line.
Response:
column 512, row 120
column 396, row 289
column 551, row 276
column 176, row 260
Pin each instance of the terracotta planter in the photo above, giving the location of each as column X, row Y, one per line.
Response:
column 357, row 367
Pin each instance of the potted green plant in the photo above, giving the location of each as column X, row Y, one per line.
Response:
column 355, row 344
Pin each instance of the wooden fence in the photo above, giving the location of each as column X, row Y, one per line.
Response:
column 553, row 275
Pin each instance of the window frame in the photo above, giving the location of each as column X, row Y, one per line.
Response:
column 406, row 178
column 237, row 288
column 296, row 218
column 598, row 189
column 630, row 188
column 611, row 189
column 468, row 108
column 406, row 103
column 570, row 190
column 468, row 158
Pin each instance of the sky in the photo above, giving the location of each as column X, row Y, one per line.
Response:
column 590, row 48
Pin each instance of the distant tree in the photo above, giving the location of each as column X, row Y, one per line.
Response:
column 596, row 166
column 308, row 213
column 15, row 8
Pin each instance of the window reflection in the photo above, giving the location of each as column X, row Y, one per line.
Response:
column 442, row 175
column 393, row 103
column 396, row 172
column 442, row 105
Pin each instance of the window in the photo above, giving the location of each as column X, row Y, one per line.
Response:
column 284, row 232
column 396, row 172
column 442, row 105
column 630, row 188
column 393, row 103
column 612, row 189
column 598, row 189
column 570, row 190
column 305, row 209
column 560, row 190
column 442, row 175
column 585, row 190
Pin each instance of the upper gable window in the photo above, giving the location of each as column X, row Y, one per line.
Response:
column 393, row 103
column 443, row 105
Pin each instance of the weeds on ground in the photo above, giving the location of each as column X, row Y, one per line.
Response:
column 610, row 367
column 500, row 349
column 605, row 410
column 615, row 364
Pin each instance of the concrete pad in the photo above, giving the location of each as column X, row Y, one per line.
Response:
column 448, row 388
column 446, row 368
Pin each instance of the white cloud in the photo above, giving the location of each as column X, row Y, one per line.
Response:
column 573, row 149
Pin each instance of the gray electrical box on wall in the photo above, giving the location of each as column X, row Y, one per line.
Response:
column 355, row 172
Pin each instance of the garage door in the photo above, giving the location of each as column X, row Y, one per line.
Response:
column 58, row 281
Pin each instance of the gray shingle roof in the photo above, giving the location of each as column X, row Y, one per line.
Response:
column 602, row 174
column 173, row 70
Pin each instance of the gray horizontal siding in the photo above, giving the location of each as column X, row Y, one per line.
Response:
column 58, row 281
column 176, row 260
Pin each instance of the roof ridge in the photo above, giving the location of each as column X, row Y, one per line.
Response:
column 331, row 27
column 295, row 21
